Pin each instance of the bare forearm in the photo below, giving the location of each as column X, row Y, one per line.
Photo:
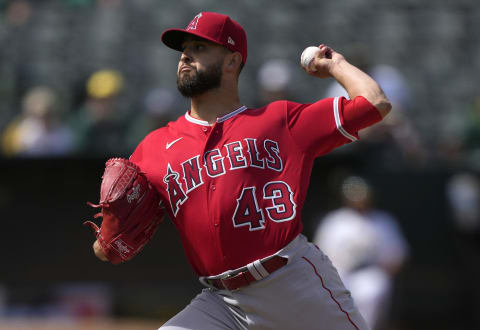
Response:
column 358, row 83
column 328, row 63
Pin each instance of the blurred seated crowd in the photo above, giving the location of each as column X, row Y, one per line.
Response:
column 123, row 93
column 96, row 128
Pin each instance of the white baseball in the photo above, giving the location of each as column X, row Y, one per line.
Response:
column 308, row 54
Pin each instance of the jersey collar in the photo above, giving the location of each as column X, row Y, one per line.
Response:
column 219, row 120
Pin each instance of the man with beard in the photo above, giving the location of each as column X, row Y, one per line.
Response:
column 234, row 180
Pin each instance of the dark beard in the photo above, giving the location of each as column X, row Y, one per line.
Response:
column 201, row 82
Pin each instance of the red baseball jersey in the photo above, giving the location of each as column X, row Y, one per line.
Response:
column 235, row 189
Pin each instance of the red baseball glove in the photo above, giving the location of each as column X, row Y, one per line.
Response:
column 131, row 211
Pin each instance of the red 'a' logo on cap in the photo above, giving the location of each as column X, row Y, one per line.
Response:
column 194, row 22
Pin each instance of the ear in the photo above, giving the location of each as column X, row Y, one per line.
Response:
column 233, row 62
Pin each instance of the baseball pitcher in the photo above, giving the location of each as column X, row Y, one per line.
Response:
column 233, row 179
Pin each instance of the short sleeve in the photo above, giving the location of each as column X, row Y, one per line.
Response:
column 329, row 123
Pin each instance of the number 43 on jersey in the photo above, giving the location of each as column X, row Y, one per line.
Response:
column 248, row 213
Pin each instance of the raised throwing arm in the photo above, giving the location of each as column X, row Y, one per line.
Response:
column 328, row 63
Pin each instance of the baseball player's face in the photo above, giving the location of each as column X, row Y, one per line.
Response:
column 200, row 67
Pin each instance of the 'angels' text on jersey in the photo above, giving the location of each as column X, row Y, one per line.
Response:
column 215, row 165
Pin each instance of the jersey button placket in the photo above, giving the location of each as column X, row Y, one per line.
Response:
column 213, row 133
column 212, row 188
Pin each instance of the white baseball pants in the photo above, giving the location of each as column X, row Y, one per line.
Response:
column 307, row 293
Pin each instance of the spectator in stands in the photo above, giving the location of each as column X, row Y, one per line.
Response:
column 274, row 77
column 39, row 129
column 463, row 196
column 367, row 247
column 18, row 12
column 160, row 105
column 98, row 126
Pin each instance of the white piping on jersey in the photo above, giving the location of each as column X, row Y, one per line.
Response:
column 219, row 120
column 231, row 114
column 336, row 114
column 195, row 120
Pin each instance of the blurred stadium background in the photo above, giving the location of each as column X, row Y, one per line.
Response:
column 84, row 80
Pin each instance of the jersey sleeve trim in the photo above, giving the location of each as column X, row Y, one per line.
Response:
column 338, row 122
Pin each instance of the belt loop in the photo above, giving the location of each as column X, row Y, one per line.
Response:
column 252, row 269
column 259, row 267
